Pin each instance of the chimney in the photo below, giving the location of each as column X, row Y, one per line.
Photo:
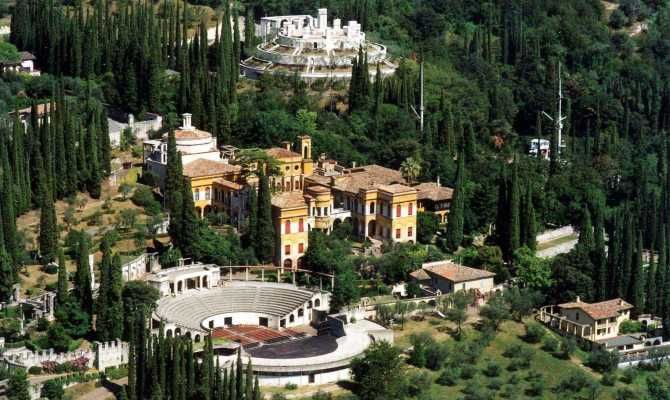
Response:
column 353, row 164
column 578, row 300
column 186, row 122
column 287, row 145
column 438, row 181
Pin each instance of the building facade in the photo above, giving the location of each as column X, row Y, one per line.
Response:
column 377, row 201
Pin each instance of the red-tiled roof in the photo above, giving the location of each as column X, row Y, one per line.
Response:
column 279, row 152
column 204, row 167
column 431, row 191
column 455, row 272
column 603, row 309
column 289, row 200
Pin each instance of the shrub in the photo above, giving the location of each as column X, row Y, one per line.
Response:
column 574, row 383
column 629, row 375
column 50, row 268
column 144, row 197
column 42, row 324
column 618, row 19
column 492, row 369
column 626, row 394
column 35, row 370
column 448, row 377
column 630, row 326
column 534, row 333
column 513, row 379
column 468, row 371
column 535, row 388
column 549, row 344
column 568, row 346
column 608, row 379
column 419, row 382
column 290, row 386
column 495, row 384
column 518, row 363
column 603, row 360
column 52, row 390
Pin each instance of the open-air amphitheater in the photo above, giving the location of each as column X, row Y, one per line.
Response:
column 307, row 46
column 284, row 329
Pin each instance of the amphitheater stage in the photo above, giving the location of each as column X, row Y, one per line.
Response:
column 300, row 348
column 250, row 336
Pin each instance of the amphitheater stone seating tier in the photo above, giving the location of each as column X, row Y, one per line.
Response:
column 191, row 309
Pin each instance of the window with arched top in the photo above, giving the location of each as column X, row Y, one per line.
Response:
column 372, row 207
column 208, row 194
column 196, row 194
column 317, row 303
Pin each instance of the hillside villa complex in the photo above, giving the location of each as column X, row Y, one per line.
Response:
column 309, row 47
column 308, row 194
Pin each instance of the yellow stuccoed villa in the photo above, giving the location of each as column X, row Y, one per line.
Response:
column 377, row 201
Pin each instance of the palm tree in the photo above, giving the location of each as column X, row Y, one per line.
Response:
column 410, row 169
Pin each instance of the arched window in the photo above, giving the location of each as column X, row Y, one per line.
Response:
column 196, row 194
column 372, row 207
column 301, row 312
column 208, row 194
column 317, row 303
column 291, row 318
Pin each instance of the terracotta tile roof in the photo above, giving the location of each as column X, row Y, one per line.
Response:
column 430, row 191
column 190, row 134
column 603, row 309
column 279, row 152
column 396, row 188
column 228, row 184
column 420, row 275
column 455, row 272
column 203, row 167
column 318, row 189
column 367, row 177
column 289, row 200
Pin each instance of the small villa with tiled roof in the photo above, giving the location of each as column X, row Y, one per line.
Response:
column 449, row 277
column 597, row 322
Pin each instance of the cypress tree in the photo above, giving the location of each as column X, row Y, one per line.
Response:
column 265, row 239
column 48, row 239
column 6, row 275
column 599, row 255
column 83, row 278
column 252, row 225
column 257, row 390
column 651, row 288
column 514, row 239
column 115, row 300
column 586, row 240
column 528, row 221
column 637, row 278
column 9, row 204
column 470, row 143
column 188, row 242
column 627, row 256
column 661, row 270
column 131, row 387
column 62, row 286
column 249, row 382
column 102, row 323
column 456, row 217
column 239, row 375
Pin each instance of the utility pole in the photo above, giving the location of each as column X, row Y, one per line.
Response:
column 559, row 118
column 419, row 115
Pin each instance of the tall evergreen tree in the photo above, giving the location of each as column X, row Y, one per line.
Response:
column 48, row 230
column 265, row 234
column 514, row 224
column 62, row 294
column 6, row 275
column 637, row 277
column 586, row 240
column 456, row 217
column 82, row 285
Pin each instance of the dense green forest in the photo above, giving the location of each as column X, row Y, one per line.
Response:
column 491, row 69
